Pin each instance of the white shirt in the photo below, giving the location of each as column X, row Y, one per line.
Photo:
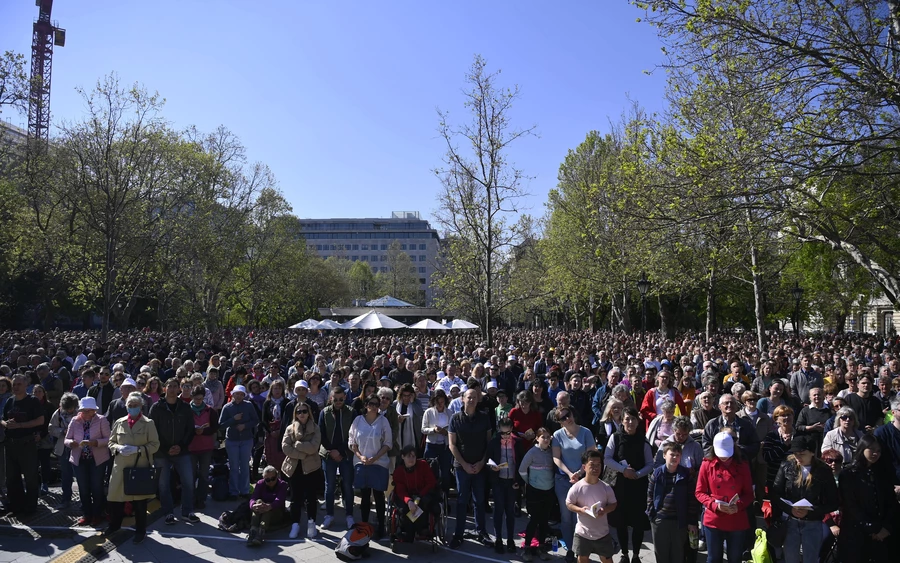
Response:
column 370, row 438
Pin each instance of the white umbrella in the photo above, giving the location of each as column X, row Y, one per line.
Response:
column 308, row 324
column 427, row 324
column 327, row 324
column 372, row 320
column 459, row 324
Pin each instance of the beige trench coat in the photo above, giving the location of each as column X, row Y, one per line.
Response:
column 142, row 434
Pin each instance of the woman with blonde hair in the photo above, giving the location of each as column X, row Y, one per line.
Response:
column 303, row 466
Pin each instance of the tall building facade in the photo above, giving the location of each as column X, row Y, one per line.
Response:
column 367, row 240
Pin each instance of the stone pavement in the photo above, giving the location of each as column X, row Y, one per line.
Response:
column 185, row 542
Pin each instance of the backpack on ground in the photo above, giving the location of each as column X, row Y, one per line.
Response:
column 237, row 520
column 355, row 543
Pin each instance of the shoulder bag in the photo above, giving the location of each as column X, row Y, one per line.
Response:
column 141, row 481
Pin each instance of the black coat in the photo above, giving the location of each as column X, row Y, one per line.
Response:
column 822, row 491
column 867, row 500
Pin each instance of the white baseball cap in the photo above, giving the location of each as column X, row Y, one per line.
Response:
column 723, row 445
column 239, row 389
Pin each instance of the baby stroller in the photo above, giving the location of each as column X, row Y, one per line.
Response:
column 436, row 529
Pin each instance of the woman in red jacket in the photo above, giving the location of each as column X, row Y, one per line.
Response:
column 651, row 406
column 725, row 488
column 414, row 484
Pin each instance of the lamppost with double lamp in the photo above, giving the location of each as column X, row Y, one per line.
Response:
column 643, row 286
column 797, row 292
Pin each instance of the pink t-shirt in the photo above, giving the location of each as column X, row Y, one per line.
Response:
column 584, row 494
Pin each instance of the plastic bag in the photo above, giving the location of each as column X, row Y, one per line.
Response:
column 760, row 551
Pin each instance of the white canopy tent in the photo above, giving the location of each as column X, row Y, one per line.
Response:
column 328, row 324
column 459, row 324
column 308, row 324
column 427, row 324
column 371, row 321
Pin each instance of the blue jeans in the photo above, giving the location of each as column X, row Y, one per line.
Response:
column 504, row 505
column 807, row 534
column 345, row 466
column 239, row 452
column 566, row 519
column 468, row 486
column 441, row 452
column 182, row 464
column 715, row 545
column 90, row 487
column 67, row 473
column 200, row 464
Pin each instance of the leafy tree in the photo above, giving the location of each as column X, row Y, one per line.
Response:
column 13, row 81
column 480, row 195
column 362, row 280
column 401, row 280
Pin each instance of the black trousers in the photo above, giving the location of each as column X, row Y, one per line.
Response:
column 22, row 463
column 116, row 512
column 540, row 504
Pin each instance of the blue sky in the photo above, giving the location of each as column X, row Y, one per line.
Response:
column 339, row 98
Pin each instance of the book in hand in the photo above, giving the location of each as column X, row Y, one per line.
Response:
column 413, row 515
column 802, row 503
column 595, row 509
column 492, row 463
column 733, row 502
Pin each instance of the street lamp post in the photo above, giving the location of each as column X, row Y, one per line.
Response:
column 797, row 292
column 643, row 286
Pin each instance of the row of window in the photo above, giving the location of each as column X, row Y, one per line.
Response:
column 384, row 270
column 416, row 226
column 388, row 235
column 382, row 258
column 403, row 247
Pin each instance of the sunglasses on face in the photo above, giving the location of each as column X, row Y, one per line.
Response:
column 846, row 417
column 830, row 460
column 373, row 404
column 304, row 411
column 505, row 433
column 565, row 417
column 271, row 480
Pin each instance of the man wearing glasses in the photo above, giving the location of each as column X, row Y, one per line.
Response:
column 334, row 422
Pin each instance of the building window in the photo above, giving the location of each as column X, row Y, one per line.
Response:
column 332, row 247
column 384, row 259
column 318, row 247
column 365, row 247
column 383, row 270
column 412, row 258
column 422, row 281
column 384, row 247
column 421, row 270
column 422, row 258
column 355, row 247
column 364, row 258
column 374, row 259
column 354, row 258
column 402, row 247
column 421, row 247
column 374, row 269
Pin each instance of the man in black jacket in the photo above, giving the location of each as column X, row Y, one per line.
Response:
column 103, row 391
column 175, row 425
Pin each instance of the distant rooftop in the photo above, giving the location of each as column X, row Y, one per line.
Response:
column 388, row 301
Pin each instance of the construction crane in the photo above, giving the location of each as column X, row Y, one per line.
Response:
column 46, row 35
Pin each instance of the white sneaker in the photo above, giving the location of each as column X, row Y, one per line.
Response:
column 326, row 522
column 350, row 522
column 295, row 531
column 701, row 545
column 311, row 531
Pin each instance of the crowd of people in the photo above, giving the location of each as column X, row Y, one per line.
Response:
column 600, row 437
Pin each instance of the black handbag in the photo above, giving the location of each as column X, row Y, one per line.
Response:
column 609, row 476
column 777, row 533
column 141, row 481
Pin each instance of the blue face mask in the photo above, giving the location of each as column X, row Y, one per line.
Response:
column 134, row 411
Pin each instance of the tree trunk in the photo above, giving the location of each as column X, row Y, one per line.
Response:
column 758, row 299
column 710, row 304
column 663, row 324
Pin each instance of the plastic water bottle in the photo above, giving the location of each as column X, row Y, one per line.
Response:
column 555, row 543
column 693, row 539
